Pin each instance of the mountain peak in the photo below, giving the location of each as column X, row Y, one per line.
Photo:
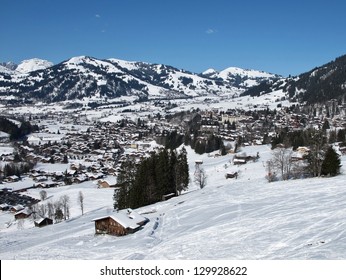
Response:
column 209, row 72
column 34, row 64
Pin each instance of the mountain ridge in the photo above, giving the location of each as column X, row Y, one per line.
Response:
column 85, row 76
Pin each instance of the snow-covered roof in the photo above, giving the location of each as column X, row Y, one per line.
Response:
column 40, row 220
column 25, row 211
column 18, row 207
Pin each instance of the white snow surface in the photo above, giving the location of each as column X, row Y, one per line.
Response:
column 244, row 218
column 33, row 64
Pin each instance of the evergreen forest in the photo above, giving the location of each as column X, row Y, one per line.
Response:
column 164, row 172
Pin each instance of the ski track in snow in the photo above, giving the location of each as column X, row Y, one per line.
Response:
column 244, row 218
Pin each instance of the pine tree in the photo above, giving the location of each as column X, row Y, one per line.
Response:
column 173, row 162
column 163, row 173
column 331, row 163
column 341, row 136
column 325, row 125
column 182, row 172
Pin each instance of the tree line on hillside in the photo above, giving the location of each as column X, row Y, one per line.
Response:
column 321, row 84
column 10, row 169
column 321, row 159
column 163, row 173
column 306, row 137
column 206, row 144
column 17, row 133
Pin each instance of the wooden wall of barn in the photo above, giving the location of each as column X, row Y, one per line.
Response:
column 108, row 225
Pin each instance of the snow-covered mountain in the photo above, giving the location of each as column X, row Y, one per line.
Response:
column 30, row 65
column 85, row 76
column 239, row 77
column 6, row 70
column 9, row 65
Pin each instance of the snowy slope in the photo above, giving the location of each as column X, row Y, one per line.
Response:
column 246, row 218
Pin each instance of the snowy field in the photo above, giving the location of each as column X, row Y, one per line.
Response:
column 245, row 218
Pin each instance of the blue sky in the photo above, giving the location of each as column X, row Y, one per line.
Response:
column 288, row 37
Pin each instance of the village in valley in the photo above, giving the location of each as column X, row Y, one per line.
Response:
column 73, row 151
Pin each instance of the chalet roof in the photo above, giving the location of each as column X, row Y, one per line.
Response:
column 25, row 211
column 237, row 160
column 111, row 180
column 38, row 221
column 17, row 207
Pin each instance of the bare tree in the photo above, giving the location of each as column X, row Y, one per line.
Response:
column 282, row 162
column 81, row 201
column 271, row 173
column 50, row 210
column 42, row 210
column 34, row 211
column 43, row 195
column 58, row 213
column 65, row 203
column 201, row 178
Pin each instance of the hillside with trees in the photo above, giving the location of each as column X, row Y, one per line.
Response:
column 16, row 132
column 319, row 85
column 163, row 173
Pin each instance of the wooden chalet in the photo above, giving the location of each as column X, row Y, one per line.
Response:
column 23, row 214
column 12, row 179
column 106, row 183
column 232, row 175
column 43, row 222
column 243, row 159
column 120, row 223
column 4, row 207
column 16, row 208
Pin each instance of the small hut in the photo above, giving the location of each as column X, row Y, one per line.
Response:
column 43, row 222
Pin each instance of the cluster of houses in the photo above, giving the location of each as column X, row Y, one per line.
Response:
column 15, row 202
column 257, row 127
column 20, row 206
column 97, row 151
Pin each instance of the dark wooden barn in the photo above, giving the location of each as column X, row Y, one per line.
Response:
column 43, row 222
column 120, row 223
